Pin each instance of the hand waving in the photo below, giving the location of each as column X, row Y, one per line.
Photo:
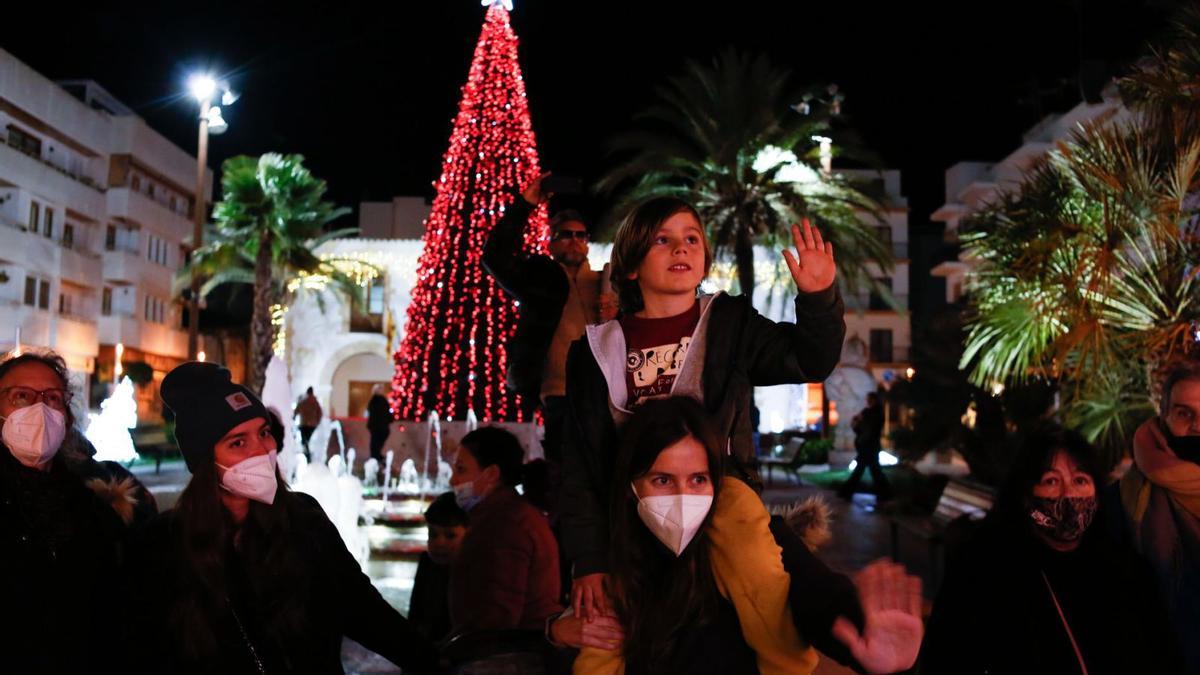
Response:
column 891, row 602
column 812, row 264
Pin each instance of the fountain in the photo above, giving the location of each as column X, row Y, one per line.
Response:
column 109, row 430
column 472, row 421
column 371, row 473
column 443, row 478
column 277, row 397
column 335, row 427
column 433, row 451
column 387, row 473
column 410, row 480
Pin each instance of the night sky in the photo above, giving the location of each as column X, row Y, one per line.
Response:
column 367, row 91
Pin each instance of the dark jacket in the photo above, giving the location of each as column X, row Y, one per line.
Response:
column 741, row 350
column 869, row 431
column 60, row 553
column 429, row 607
column 339, row 600
column 995, row 614
column 379, row 414
column 538, row 283
column 505, row 576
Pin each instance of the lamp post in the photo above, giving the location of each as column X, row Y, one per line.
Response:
column 203, row 88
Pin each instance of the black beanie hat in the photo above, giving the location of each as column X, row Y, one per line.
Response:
column 207, row 404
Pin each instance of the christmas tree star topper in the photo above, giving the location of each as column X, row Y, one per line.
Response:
column 506, row 4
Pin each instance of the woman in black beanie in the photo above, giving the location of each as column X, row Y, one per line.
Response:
column 245, row 576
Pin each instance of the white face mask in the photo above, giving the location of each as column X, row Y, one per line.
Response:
column 34, row 433
column 252, row 478
column 465, row 497
column 674, row 519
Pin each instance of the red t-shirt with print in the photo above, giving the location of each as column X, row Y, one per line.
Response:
column 655, row 351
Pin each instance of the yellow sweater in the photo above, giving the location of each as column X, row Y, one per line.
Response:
column 748, row 567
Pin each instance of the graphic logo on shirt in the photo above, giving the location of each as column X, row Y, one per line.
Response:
column 653, row 370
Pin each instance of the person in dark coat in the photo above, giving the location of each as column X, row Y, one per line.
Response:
column 1157, row 502
column 868, row 432
column 560, row 294
column 504, row 582
column 379, row 422
column 713, row 348
column 245, row 576
column 63, row 524
column 429, row 607
column 1041, row 589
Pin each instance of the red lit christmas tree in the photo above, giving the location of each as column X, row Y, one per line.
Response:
column 452, row 357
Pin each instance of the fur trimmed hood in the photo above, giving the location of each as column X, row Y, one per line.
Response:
column 118, row 493
column 811, row 519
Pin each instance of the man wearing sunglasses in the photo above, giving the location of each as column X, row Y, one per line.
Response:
column 560, row 295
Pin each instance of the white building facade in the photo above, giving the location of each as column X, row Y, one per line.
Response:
column 972, row 186
column 94, row 209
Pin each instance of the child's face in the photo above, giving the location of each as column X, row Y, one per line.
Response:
column 444, row 541
column 675, row 262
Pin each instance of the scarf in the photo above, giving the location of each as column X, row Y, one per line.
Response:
column 1156, row 465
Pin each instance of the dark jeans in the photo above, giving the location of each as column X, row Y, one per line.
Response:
column 305, row 436
column 868, row 459
column 378, row 438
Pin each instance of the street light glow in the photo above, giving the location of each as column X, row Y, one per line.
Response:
column 202, row 87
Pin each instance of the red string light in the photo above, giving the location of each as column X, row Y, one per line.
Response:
column 452, row 357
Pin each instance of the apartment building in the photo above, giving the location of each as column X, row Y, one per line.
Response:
column 971, row 186
column 94, row 209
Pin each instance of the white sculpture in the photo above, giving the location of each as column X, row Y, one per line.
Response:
column 109, row 430
column 277, row 397
column 848, row 386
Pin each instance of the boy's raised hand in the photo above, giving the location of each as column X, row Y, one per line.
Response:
column 812, row 264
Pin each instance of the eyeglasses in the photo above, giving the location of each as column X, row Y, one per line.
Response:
column 20, row 397
column 563, row 235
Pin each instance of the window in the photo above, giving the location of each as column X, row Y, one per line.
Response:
column 136, row 183
column 110, row 238
column 35, row 215
column 48, row 224
column 881, row 345
column 68, row 238
column 375, row 299
column 64, row 303
column 174, row 203
column 884, row 233
column 150, row 189
column 24, row 141
column 146, row 308
column 30, row 291
column 106, row 302
column 43, row 294
column 877, row 303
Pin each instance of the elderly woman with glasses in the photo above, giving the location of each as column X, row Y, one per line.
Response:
column 63, row 519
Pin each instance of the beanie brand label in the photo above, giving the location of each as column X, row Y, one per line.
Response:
column 238, row 401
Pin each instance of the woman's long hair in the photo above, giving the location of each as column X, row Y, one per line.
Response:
column 278, row 579
column 659, row 597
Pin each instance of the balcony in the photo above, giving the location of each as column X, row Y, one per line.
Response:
column 81, row 267
column 139, row 208
column 126, row 266
column 51, row 181
column 868, row 302
column 153, row 338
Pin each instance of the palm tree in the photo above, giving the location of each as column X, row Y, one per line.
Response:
column 270, row 220
column 1087, row 271
column 724, row 138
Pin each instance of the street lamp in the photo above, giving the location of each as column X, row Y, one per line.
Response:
column 204, row 89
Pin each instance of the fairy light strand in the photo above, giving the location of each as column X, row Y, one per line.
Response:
column 452, row 358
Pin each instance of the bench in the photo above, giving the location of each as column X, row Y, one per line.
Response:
column 962, row 504
column 153, row 441
column 787, row 457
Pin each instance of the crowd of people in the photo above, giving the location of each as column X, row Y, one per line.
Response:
column 640, row 545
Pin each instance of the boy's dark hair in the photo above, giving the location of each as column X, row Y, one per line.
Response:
column 567, row 216
column 633, row 240
column 495, row 446
column 46, row 358
column 445, row 512
column 1182, row 371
